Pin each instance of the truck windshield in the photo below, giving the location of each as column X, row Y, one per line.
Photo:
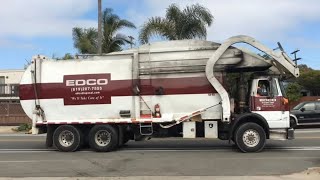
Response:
column 282, row 89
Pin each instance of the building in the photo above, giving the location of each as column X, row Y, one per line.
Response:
column 9, row 85
column 11, row 112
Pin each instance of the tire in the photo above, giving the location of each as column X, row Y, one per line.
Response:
column 67, row 138
column 103, row 138
column 82, row 137
column 244, row 135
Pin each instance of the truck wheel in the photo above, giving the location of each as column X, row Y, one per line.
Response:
column 103, row 138
column 67, row 138
column 250, row 137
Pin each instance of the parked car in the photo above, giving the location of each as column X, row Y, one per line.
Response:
column 306, row 114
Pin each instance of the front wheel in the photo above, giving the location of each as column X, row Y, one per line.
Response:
column 250, row 137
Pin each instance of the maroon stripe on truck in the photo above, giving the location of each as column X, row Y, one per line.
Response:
column 170, row 86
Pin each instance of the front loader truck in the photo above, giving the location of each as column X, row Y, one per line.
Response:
column 164, row 89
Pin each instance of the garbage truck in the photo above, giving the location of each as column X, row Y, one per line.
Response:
column 178, row 88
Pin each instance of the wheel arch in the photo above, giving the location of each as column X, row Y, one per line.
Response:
column 294, row 117
column 250, row 117
column 295, row 120
column 49, row 137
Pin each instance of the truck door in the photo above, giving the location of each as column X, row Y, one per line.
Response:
column 266, row 100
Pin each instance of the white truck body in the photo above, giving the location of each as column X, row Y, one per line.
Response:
column 126, row 87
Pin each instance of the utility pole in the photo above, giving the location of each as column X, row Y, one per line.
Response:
column 99, row 28
column 131, row 40
column 295, row 56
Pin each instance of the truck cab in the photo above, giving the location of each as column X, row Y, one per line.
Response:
column 268, row 99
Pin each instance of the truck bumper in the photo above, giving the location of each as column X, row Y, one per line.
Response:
column 281, row 134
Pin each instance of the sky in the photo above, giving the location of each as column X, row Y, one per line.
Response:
column 31, row 27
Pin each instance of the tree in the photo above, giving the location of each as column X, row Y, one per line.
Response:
column 189, row 23
column 65, row 57
column 86, row 40
column 304, row 68
column 310, row 79
column 293, row 91
column 112, row 41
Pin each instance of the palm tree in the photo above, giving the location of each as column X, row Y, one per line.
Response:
column 112, row 41
column 86, row 40
column 188, row 23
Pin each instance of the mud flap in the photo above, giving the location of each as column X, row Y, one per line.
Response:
column 49, row 138
column 290, row 134
column 121, row 135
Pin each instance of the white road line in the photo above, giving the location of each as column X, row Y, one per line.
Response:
column 301, row 131
column 210, row 150
column 306, row 148
column 294, row 147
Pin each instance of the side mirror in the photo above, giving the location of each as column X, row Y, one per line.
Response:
column 302, row 109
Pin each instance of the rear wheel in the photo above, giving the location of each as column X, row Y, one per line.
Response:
column 67, row 138
column 250, row 137
column 103, row 138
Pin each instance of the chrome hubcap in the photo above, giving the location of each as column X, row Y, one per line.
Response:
column 102, row 138
column 251, row 138
column 66, row 138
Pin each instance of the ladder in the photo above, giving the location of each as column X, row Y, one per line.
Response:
column 146, row 101
column 146, row 129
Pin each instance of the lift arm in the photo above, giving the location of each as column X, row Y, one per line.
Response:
column 280, row 60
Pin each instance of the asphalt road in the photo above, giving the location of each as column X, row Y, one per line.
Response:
column 26, row 156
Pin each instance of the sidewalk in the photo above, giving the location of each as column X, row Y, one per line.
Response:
column 8, row 130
